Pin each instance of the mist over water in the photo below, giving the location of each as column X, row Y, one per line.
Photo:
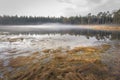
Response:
column 24, row 40
column 48, row 36
column 41, row 28
column 55, row 28
column 37, row 37
column 29, row 28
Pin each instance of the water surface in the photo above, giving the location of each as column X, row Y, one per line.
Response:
column 24, row 40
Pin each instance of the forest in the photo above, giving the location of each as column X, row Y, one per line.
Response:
column 101, row 18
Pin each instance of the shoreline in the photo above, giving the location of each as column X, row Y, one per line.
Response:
column 105, row 27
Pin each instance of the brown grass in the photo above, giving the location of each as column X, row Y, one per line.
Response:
column 80, row 63
column 1, row 63
column 21, row 60
column 105, row 27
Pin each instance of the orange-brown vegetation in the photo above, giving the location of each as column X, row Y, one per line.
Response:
column 46, row 50
column 80, row 63
column 105, row 27
column 22, row 61
column 14, row 39
column 1, row 63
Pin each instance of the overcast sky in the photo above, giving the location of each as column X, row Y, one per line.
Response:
column 56, row 7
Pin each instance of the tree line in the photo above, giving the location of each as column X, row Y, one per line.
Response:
column 100, row 18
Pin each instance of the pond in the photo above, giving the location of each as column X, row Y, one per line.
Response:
column 24, row 40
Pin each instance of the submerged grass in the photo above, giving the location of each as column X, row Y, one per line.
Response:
column 80, row 63
column 1, row 63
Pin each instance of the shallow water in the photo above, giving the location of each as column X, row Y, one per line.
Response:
column 25, row 40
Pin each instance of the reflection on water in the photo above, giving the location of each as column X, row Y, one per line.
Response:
column 24, row 41
column 61, row 29
column 39, row 38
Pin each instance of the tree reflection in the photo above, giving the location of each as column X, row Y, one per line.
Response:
column 98, row 34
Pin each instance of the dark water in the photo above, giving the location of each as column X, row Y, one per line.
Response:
column 61, row 29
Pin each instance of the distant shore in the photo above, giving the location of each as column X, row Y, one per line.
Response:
column 105, row 27
column 58, row 26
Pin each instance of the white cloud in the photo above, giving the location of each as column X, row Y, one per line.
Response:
column 83, row 7
column 56, row 7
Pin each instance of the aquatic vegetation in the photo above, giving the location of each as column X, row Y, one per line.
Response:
column 79, row 63
column 22, row 60
column 14, row 39
column 68, row 54
column 46, row 50
column 1, row 63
